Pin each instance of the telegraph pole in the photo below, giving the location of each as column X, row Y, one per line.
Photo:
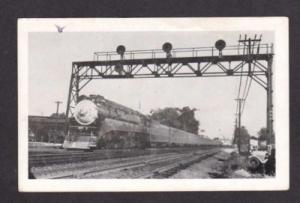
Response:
column 57, row 113
column 57, row 106
column 239, row 103
column 270, row 133
column 235, row 128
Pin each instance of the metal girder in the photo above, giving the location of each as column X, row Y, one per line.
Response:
column 156, row 68
column 209, row 66
column 201, row 59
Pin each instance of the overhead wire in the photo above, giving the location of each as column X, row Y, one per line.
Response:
column 248, row 89
column 245, row 86
column 242, row 98
column 245, row 98
column 240, row 83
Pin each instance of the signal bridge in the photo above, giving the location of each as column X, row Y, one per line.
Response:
column 249, row 58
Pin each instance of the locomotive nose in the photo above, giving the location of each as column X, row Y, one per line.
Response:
column 85, row 112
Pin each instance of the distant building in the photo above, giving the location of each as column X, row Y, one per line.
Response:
column 46, row 129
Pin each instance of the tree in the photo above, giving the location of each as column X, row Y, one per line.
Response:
column 242, row 139
column 60, row 115
column 167, row 116
column 178, row 118
column 262, row 134
column 243, row 133
column 188, row 120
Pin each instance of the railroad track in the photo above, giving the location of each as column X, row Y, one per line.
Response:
column 78, row 168
column 170, row 169
column 149, row 166
column 72, row 157
column 45, row 159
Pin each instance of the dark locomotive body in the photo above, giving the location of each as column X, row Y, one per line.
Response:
column 102, row 123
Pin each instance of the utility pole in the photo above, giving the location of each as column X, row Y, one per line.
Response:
column 249, row 45
column 56, row 124
column 235, row 128
column 270, row 133
column 239, row 103
column 57, row 106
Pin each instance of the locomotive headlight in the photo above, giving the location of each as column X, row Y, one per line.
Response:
column 85, row 112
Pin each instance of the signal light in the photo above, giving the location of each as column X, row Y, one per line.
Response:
column 167, row 47
column 121, row 50
column 220, row 45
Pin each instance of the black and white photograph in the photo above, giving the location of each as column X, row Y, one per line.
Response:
column 176, row 104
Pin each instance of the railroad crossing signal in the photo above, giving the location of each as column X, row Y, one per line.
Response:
column 183, row 62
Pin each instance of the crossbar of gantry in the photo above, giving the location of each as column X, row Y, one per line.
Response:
column 200, row 59
column 174, row 67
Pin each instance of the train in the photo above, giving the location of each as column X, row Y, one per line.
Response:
column 100, row 123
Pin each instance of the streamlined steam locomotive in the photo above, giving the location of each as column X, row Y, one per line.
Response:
column 99, row 122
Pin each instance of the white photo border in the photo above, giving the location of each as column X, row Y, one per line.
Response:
column 281, row 100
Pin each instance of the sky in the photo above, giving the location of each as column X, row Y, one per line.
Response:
column 50, row 62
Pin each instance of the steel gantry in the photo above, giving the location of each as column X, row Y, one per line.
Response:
column 248, row 58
